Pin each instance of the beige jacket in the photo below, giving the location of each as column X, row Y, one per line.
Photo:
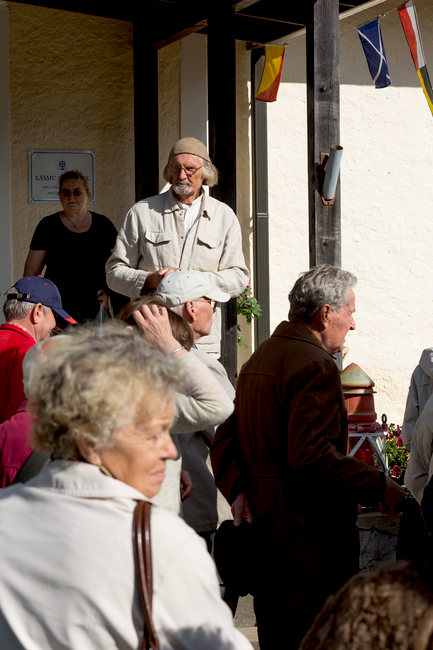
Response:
column 420, row 466
column 420, row 389
column 203, row 403
column 67, row 573
column 206, row 507
column 153, row 237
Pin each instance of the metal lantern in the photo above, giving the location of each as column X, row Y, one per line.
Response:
column 366, row 435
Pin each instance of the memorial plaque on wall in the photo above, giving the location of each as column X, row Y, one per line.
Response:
column 47, row 165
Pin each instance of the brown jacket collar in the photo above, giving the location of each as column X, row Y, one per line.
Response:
column 298, row 332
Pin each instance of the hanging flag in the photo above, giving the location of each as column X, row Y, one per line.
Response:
column 372, row 43
column 409, row 21
column 271, row 75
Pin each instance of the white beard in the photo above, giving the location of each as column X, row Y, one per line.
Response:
column 183, row 188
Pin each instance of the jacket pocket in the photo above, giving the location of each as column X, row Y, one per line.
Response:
column 209, row 242
column 157, row 238
column 208, row 253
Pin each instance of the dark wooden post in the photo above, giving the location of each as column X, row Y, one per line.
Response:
column 323, row 106
column 145, row 113
column 222, row 145
column 260, row 200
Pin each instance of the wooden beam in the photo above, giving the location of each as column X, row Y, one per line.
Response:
column 323, row 109
column 222, row 145
column 243, row 4
column 145, row 115
column 222, row 102
column 260, row 201
column 177, row 32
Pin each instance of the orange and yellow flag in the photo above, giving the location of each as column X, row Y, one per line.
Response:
column 271, row 75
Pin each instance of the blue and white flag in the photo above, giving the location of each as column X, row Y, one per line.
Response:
column 371, row 39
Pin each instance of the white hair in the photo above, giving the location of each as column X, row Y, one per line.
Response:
column 14, row 309
column 321, row 285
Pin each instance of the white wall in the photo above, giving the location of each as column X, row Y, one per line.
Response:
column 193, row 87
column 387, row 230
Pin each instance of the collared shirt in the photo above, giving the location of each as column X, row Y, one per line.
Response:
column 192, row 212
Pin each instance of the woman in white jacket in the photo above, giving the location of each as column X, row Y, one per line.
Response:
column 104, row 409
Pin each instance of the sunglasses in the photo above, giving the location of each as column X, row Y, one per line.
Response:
column 67, row 193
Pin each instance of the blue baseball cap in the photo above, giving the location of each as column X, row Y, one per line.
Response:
column 35, row 288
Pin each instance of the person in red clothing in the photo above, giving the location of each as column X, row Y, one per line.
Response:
column 14, row 444
column 29, row 312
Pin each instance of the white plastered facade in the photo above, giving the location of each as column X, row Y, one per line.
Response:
column 386, row 203
column 72, row 87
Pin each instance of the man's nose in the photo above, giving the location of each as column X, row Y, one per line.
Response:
column 352, row 324
column 182, row 174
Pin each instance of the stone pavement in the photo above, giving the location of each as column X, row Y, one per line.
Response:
column 245, row 620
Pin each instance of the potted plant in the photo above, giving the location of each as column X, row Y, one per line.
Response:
column 248, row 307
column 397, row 454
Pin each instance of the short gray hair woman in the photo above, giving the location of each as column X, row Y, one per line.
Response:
column 103, row 407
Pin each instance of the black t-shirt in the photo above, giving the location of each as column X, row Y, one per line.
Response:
column 75, row 261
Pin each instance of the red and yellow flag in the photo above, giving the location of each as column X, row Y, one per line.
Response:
column 271, row 75
column 409, row 21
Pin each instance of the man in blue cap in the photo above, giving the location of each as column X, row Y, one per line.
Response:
column 29, row 310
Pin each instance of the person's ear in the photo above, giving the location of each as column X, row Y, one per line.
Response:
column 37, row 313
column 191, row 311
column 87, row 450
column 325, row 315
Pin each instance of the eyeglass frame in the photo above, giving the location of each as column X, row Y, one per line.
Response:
column 208, row 301
column 178, row 168
column 66, row 193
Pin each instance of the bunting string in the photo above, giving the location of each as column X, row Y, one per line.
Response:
column 370, row 35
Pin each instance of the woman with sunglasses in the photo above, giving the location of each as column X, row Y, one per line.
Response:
column 74, row 245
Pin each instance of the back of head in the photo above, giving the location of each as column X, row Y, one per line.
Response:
column 178, row 287
column 92, row 384
column 29, row 291
column 32, row 358
column 14, row 309
column 179, row 328
column 389, row 608
column 324, row 284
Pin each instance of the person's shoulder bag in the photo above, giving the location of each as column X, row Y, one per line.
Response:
column 143, row 561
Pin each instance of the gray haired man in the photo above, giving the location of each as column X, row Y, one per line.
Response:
column 281, row 461
column 189, row 294
column 182, row 228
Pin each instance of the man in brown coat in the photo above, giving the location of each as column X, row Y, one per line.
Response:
column 281, row 460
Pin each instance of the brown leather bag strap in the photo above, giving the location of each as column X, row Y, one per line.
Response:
column 143, row 560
